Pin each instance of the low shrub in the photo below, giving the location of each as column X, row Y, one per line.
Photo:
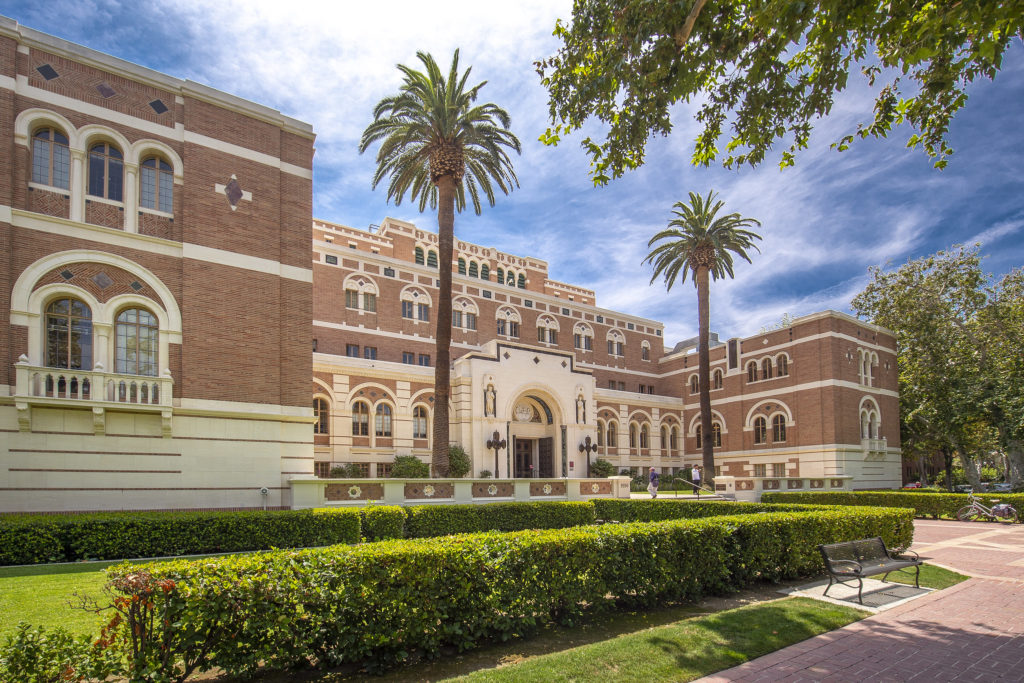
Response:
column 409, row 467
column 32, row 539
column 459, row 463
column 626, row 510
column 441, row 520
column 377, row 604
column 383, row 522
column 602, row 468
column 935, row 505
column 38, row 655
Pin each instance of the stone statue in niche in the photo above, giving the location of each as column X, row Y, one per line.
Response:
column 581, row 410
column 489, row 396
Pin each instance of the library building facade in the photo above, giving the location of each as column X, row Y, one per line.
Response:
column 178, row 332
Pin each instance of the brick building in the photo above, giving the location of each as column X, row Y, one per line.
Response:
column 539, row 362
column 155, row 287
column 158, row 300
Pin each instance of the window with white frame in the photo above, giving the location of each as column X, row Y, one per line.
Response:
column 51, row 158
column 136, row 342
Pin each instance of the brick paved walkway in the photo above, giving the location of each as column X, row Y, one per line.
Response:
column 973, row 631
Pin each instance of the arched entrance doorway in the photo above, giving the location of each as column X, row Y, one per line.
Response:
column 534, row 432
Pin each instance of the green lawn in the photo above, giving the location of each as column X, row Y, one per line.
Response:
column 687, row 649
column 931, row 577
column 41, row 595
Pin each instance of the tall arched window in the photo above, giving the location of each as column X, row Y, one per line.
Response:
column 106, row 172
column 321, row 414
column 382, row 420
column 137, row 342
column 418, row 255
column 511, row 280
column 419, row 422
column 51, row 158
column 500, row 279
column 613, row 437
column 69, row 335
column 716, row 379
column 485, row 272
column 694, row 384
column 632, row 435
column 521, row 281
column 473, row 269
column 700, row 440
column 645, row 436
column 462, row 266
column 779, row 429
column 673, row 438
column 782, row 364
column 716, row 434
column 600, row 433
column 360, row 419
column 766, row 368
column 431, row 259
column 663, row 434
column 760, row 430
column 156, row 182
column 752, row 371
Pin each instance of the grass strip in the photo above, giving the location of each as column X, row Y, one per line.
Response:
column 43, row 595
column 931, row 577
column 686, row 650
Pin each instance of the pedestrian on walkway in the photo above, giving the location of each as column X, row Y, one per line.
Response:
column 695, row 476
column 652, row 488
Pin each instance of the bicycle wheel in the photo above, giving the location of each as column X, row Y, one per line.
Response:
column 968, row 513
column 1013, row 517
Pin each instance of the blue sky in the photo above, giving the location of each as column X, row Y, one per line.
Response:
column 824, row 222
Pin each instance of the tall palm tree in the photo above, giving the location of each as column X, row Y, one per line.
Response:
column 439, row 146
column 699, row 242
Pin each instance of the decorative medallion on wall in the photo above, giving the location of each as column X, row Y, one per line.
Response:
column 495, row 490
column 540, row 489
column 428, row 491
column 595, row 488
column 837, row 483
column 233, row 191
column 817, row 483
column 435, row 491
column 524, row 412
column 796, row 483
column 744, row 485
column 492, row 490
column 354, row 492
column 770, row 484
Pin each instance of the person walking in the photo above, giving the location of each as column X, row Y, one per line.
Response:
column 652, row 488
column 695, row 476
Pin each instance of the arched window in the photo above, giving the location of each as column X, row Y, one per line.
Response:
column 521, row 281
column 613, row 438
column 419, row 422
column 663, row 434
column 645, row 436
column 382, row 420
column 462, row 266
column 106, row 172
column 69, row 335
column 779, row 429
column 51, row 158
column 418, row 255
column 500, row 279
column 432, row 259
column 632, row 435
column 473, row 269
column 673, row 438
column 511, row 280
column 485, row 272
column 752, row 371
column 716, row 379
column 766, row 368
column 760, row 430
column 137, row 342
column 874, row 425
column 156, row 184
column 694, row 384
column 600, row 433
column 360, row 419
column 700, row 441
column 321, row 414
column 645, row 350
column 716, row 434
column 782, row 365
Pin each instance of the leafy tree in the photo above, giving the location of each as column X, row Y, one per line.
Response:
column 439, row 146
column 700, row 242
column 602, row 468
column 459, row 463
column 766, row 70
column 409, row 467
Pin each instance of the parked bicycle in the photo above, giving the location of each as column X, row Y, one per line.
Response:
column 975, row 511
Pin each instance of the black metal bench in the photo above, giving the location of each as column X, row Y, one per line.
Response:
column 867, row 557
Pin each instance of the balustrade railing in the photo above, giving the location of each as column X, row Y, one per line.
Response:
column 92, row 385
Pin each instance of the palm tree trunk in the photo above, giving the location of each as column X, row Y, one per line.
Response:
column 443, row 335
column 704, row 377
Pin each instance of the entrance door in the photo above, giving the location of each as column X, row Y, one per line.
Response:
column 524, row 457
column 545, row 456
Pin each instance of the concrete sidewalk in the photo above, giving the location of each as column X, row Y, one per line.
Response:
column 973, row 631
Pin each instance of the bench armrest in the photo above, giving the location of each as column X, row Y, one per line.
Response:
column 856, row 566
column 905, row 555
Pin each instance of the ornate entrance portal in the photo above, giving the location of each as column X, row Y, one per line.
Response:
column 534, row 457
column 524, row 457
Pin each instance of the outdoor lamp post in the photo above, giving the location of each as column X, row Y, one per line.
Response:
column 587, row 447
column 497, row 443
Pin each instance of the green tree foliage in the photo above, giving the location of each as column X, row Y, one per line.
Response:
column 701, row 243
column 438, row 146
column 602, row 468
column 959, row 340
column 763, row 72
column 459, row 463
column 409, row 467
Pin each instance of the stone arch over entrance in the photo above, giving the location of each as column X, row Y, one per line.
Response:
column 536, row 421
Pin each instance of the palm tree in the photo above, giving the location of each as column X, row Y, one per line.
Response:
column 700, row 242
column 439, row 146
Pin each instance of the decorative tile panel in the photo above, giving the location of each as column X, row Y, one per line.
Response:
column 429, row 490
column 551, row 488
column 493, row 490
column 354, row 491
column 595, row 488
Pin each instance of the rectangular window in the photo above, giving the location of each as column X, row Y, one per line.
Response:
column 611, row 348
column 352, row 350
column 333, row 260
column 370, row 352
column 541, row 334
column 351, row 298
column 408, row 357
column 425, row 360
column 565, row 311
column 513, row 328
column 369, row 302
column 629, row 326
column 456, row 318
column 622, row 386
column 502, row 327
column 611, row 384
column 407, row 309
column 778, row 469
column 588, row 343
column 645, row 353
column 528, row 303
column 470, row 319
column 384, row 470
column 423, row 312
column 577, row 341
column 759, row 470
column 552, row 336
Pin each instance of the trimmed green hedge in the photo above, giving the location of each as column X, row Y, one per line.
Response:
column 383, row 522
column 934, row 505
column 377, row 604
column 442, row 520
column 625, row 510
column 32, row 539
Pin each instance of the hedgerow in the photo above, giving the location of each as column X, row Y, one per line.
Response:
column 379, row 604
column 627, row 510
column 31, row 539
column 934, row 505
column 442, row 520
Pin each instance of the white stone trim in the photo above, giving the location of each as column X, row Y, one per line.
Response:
column 236, row 260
